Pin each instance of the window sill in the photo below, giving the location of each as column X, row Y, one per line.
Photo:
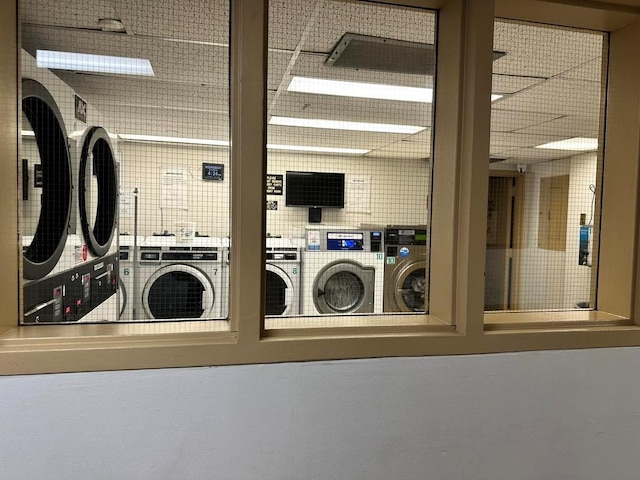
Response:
column 84, row 348
column 518, row 320
column 353, row 324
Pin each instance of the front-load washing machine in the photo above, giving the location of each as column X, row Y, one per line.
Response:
column 182, row 281
column 128, row 285
column 344, row 275
column 406, row 271
column 282, row 278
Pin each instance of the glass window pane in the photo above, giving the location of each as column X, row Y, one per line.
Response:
column 542, row 212
column 350, row 89
column 125, row 160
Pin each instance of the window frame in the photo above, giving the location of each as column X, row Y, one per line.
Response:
column 461, row 133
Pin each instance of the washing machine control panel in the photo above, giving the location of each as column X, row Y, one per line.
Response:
column 72, row 294
column 345, row 241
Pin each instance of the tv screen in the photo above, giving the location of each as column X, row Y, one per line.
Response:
column 315, row 189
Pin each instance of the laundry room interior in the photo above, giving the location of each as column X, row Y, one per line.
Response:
column 350, row 92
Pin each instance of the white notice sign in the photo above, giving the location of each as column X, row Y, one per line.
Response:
column 173, row 189
column 359, row 194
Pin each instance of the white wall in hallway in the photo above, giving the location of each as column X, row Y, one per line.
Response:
column 570, row 415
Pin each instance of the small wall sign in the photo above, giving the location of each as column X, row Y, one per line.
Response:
column 274, row 184
column 81, row 109
column 212, row 171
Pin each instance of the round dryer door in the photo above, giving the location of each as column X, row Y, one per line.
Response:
column 279, row 291
column 410, row 287
column 344, row 287
column 98, row 192
column 178, row 292
column 46, row 181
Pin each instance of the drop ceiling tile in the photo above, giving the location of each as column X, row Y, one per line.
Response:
column 590, row 71
column 329, row 138
column 171, row 62
column 512, row 83
column 191, row 20
column 337, row 18
column 288, row 20
column 352, row 109
column 308, row 65
column 513, row 140
column 402, row 151
column 542, row 51
column 504, row 120
column 557, row 96
column 536, row 155
column 568, row 126
column 67, row 13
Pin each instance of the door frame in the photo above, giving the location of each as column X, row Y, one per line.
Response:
column 516, row 209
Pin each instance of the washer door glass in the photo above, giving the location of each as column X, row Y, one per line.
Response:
column 177, row 294
column 411, row 287
column 343, row 291
column 276, row 294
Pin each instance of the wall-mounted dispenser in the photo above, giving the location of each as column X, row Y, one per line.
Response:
column 586, row 245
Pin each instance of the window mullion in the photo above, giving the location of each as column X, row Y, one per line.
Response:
column 248, row 154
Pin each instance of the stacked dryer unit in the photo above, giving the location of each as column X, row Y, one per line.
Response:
column 69, row 276
column 182, row 281
column 343, row 271
column 282, row 278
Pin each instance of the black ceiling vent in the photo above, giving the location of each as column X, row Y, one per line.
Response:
column 385, row 55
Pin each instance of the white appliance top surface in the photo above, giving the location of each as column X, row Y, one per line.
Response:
column 280, row 243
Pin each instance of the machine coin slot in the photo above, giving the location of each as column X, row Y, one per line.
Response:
column 376, row 241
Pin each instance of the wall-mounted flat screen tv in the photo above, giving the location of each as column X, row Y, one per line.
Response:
column 315, row 189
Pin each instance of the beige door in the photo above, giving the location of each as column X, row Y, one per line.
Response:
column 502, row 226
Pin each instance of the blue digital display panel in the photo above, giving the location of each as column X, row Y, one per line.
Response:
column 345, row 241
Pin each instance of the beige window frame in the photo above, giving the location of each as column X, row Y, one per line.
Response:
column 461, row 135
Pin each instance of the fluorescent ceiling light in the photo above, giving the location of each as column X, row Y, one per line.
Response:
column 300, row 148
column 578, row 144
column 28, row 133
column 341, row 125
column 224, row 143
column 93, row 63
column 155, row 138
column 379, row 91
column 360, row 90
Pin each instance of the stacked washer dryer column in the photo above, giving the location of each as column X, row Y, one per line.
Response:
column 182, row 281
column 342, row 271
column 283, row 277
column 62, row 284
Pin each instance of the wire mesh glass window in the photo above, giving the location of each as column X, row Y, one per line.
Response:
column 350, row 89
column 124, row 160
column 544, row 180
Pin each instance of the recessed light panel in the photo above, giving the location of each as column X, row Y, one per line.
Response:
column 578, row 144
column 342, row 125
column 378, row 91
column 83, row 62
